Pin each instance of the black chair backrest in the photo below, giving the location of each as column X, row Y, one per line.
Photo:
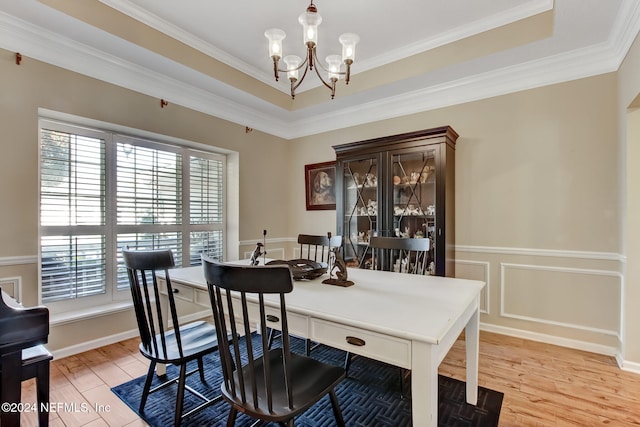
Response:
column 410, row 255
column 246, row 364
column 141, row 269
column 318, row 248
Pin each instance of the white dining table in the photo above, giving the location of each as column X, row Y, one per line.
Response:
column 407, row 320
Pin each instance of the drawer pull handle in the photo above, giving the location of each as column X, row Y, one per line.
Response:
column 175, row 291
column 356, row 341
column 272, row 318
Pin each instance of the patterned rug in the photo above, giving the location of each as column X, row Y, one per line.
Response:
column 369, row 397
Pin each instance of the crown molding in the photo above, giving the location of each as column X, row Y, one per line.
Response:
column 497, row 20
column 625, row 29
column 49, row 47
column 142, row 15
column 46, row 46
column 551, row 70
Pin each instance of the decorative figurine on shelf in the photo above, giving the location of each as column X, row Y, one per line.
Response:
column 257, row 253
column 341, row 274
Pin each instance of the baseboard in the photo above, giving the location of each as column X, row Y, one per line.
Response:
column 628, row 366
column 93, row 344
column 554, row 340
column 112, row 339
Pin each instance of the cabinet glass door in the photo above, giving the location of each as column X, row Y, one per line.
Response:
column 360, row 209
column 414, row 197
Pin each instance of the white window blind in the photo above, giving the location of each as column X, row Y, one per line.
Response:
column 206, row 207
column 72, row 201
column 101, row 191
column 149, row 186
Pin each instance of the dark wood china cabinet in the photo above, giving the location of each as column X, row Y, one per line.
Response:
column 400, row 185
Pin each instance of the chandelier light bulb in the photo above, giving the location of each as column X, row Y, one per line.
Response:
column 310, row 22
column 275, row 37
column 348, row 42
column 293, row 64
column 333, row 63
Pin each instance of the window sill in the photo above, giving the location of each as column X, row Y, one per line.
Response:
column 89, row 313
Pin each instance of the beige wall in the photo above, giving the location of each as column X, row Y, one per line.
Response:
column 538, row 201
column 629, row 124
column 537, row 207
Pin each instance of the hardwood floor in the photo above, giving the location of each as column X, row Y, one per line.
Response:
column 543, row 385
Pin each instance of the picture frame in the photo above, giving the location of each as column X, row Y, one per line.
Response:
column 320, row 186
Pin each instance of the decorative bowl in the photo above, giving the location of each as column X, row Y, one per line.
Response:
column 302, row 269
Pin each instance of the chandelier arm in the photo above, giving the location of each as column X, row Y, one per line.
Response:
column 294, row 69
column 304, row 74
column 294, row 85
column 331, row 87
column 326, row 70
column 275, row 67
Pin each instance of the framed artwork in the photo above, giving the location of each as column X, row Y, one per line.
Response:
column 320, row 181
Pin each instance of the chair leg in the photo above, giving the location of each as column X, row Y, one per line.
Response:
column 347, row 363
column 201, row 369
column 147, row 385
column 180, row 395
column 231, row 421
column 272, row 333
column 337, row 413
column 42, row 392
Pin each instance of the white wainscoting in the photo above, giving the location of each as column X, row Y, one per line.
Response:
column 12, row 286
column 561, row 296
column 273, row 253
column 569, row 298
column 477, row 270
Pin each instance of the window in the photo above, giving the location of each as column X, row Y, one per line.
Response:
column 100, row 191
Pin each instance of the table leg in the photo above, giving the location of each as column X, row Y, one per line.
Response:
column 424, row 385
column 472, row 344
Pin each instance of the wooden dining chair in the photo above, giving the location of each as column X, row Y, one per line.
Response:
column 174, row 343
column 403, row 255
column 273, row 385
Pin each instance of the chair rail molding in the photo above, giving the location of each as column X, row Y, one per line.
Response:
column 556, row 253
column 18, row 260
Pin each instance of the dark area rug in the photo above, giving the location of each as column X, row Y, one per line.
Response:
column 369, row 397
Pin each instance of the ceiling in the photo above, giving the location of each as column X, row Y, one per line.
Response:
column 414, row 55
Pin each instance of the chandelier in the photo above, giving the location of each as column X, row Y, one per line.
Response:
column 310, row 21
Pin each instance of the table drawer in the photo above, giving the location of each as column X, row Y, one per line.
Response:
column 181, row 292
column 385, row 348
column 298, row 324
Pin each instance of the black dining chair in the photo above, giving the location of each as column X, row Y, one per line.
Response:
column 400, row 254
column 317, row 247
column 403, row 255
column 273, row 385
column 175, row 343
